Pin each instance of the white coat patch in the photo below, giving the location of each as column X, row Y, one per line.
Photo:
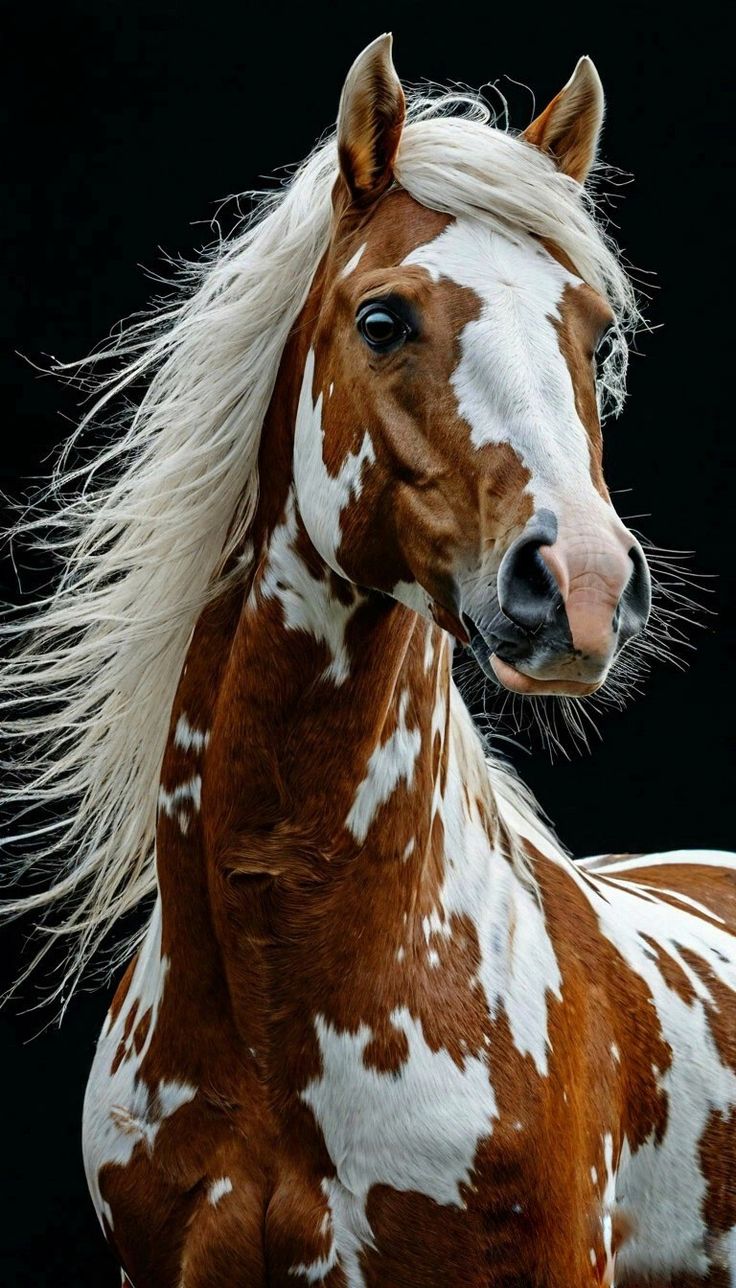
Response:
column 218, row 1189
column 187, row 738
column 322, row 496
column 390, row 764
column 662, row 1182
column 120, row 1109
column 182, row 801
column 518, row 971
column 418, row 1129
column 307, row 603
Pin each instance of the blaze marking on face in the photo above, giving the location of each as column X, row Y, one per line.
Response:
column 418, row 1128
column 391, row 763
column 512, row 382
column 307, row 603
column 322, row 496
column 120, row 1109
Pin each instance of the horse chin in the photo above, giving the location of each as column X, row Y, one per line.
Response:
column 517, row 681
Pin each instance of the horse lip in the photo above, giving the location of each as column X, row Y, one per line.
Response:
column 516, row 680
column 510, row 673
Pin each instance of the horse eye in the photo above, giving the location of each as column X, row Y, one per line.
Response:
column 380, row 328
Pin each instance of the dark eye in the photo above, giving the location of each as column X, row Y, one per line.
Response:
column 381, row 328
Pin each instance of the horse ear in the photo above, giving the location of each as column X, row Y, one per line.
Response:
column 370, row 121
column 569, row 127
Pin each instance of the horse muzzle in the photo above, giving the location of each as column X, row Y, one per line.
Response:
column 569, row 597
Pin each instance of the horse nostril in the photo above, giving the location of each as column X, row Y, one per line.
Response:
column 636, row 601
column 527, row 591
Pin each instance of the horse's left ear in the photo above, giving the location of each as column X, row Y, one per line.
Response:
column 370, row 121
column 569, row 127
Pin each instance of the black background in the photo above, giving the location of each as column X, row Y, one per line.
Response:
column 125, row 124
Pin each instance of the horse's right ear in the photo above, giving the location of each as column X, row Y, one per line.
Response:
column 369, row 122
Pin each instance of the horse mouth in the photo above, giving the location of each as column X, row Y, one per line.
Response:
column 515, row 680
column 511, row 658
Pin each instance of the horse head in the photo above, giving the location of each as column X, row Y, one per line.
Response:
column 448, row 447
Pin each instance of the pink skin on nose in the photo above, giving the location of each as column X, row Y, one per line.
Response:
column 592, row 569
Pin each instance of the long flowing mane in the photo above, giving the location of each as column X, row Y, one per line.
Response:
column 145, row 532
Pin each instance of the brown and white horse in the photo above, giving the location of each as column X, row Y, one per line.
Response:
column 381, row 1030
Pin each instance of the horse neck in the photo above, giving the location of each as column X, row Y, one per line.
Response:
column 311, row 740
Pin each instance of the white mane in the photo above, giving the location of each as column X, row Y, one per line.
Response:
column 145, row 530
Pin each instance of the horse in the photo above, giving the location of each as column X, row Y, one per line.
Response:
column 380, row 1029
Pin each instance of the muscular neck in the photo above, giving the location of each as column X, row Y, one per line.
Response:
column 302, row 787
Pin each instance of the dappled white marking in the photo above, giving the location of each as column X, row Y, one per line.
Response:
column 322, row 496
column 218, row 1189
column 120, row 1109
column 181, row 801
column 391, row 763
column 608, row 1208
column 416, row 1129
column 307, row 603
column 187, row 738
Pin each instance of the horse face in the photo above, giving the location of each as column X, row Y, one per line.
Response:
column 448, row 446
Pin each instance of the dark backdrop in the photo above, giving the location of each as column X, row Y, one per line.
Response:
column 125, row 123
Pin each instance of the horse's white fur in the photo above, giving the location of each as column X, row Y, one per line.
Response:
column 323, row 496
column 146, row 549
column 518, row 975
column 662, row 1183
column 120, row 1108
column 512, row 382
column 417, row 1131
column 218, row 1189
column 187, row 738
column 306, row 603
column 391, row 762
